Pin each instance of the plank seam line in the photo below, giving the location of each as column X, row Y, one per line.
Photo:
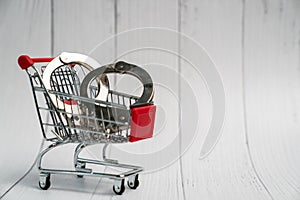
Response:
column 52, row 28
column 244, row 103
column 179, row 3
column 115, row 38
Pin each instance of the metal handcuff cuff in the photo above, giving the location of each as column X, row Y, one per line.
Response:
column 118, row 114
column 70, row 59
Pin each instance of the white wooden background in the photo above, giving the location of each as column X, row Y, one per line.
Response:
column 256, row 47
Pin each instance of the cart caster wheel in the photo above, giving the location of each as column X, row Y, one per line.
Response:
column 133, row 182
column 80, row 166
column 119, row 187
column 44, row 182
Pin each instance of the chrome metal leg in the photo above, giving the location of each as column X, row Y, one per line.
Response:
column 77, row 151
column 131, row 172
column 104, row 157
column 50, row 147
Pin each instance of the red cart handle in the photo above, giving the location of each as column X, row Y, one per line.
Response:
column 25, row 61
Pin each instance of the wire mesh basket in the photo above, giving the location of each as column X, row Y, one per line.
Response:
column 85, row 119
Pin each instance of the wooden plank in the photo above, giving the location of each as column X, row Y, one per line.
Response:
column 24, row 29
column 88, row 25
column 227, row 172
column 144, row 47
column 272, row 93
column 76, row 27
column 81, row 26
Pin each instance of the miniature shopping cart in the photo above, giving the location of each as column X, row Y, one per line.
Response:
column 70, row 109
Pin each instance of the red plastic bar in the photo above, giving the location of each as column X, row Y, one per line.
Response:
column 25, row 61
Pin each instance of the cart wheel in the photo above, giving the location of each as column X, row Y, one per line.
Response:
column 119, row 187
column 80, row 166
column 44, row 182
column 133, row 182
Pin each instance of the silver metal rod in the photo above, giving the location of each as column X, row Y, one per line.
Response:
column 73, row 172
column 50, row 147
column 98, row 162
column 77, row 151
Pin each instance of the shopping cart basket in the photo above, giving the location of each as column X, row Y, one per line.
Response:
column 70, row 110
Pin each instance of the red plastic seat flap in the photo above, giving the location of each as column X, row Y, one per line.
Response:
column 142, row 122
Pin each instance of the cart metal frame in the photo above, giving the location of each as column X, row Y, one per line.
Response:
column 64, row 132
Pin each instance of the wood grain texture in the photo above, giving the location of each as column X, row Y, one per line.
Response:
column 227, row 172
column 271, row 75
column 81, row 26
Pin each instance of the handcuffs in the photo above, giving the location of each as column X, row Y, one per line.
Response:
column 98, row 74
column 122, row 67
column 69, row 59
column 74, row 58
column 118, row 114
